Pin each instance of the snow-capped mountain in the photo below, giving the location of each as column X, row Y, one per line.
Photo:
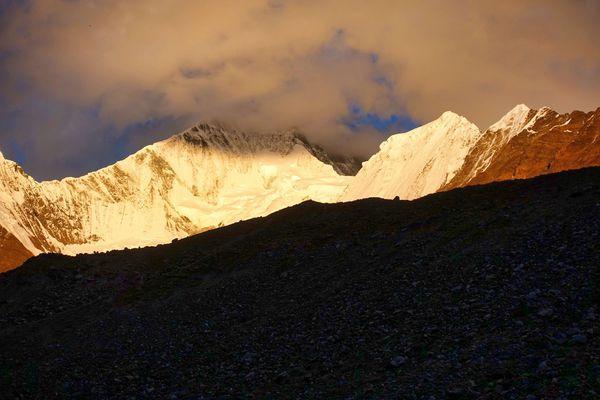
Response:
column 527, row 143
column 211, row 175
column 451, row 152
column 205, row 177
column 413, row 164
column 493, row 139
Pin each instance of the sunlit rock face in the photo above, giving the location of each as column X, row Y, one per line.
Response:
column 528, row 143
column 12, row 251
column 205, row 177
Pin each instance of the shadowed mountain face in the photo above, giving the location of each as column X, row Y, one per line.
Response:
column 481, row 292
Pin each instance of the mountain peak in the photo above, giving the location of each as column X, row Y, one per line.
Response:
column 203, row 177
column 225, row 138
column 542, row 112
column 450, row 115
column 205, row 130
column 224, row 135
column 212, row 127
column 416, row 163
column 219, row 135
column 519, row 108
column 450, row 119
column 513, row 121
column 535, row 115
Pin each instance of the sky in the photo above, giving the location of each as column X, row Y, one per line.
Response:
column 85, row 83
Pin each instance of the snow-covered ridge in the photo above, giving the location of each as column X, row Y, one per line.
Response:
column 212, row 175
column 416, row 163
column 513, row 122
column 494, row 138
column 202, row 178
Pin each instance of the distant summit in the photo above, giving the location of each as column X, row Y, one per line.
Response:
column 228, row 139
column 451, row 152
column 212, row 175
column 412, row 164
column 202, row 178
column 528, row 143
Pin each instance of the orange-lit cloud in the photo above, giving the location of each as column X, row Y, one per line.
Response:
column 275, row 64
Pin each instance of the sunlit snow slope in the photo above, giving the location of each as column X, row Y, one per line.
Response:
column 205, row 177
column 416, row 163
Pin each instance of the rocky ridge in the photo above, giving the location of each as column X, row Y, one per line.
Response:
column 532, row 143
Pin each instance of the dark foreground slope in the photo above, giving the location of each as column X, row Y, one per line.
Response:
column 482, row 292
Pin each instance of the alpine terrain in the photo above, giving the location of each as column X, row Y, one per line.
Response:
column 205, row 177
column 451, row 152
column 211, row 175
column 413, row 164
column 527, row 143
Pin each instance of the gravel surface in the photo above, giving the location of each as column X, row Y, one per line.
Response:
column 486, row 292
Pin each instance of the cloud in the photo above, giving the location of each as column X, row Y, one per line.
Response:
column 112, row 66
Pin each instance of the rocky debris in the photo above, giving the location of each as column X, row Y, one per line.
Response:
column 579, row 339
column 439, row 298
column 398, row 361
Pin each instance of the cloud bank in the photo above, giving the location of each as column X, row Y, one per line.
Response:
column 86, row 82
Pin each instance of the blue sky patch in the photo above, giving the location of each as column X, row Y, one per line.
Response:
column 358, row 118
